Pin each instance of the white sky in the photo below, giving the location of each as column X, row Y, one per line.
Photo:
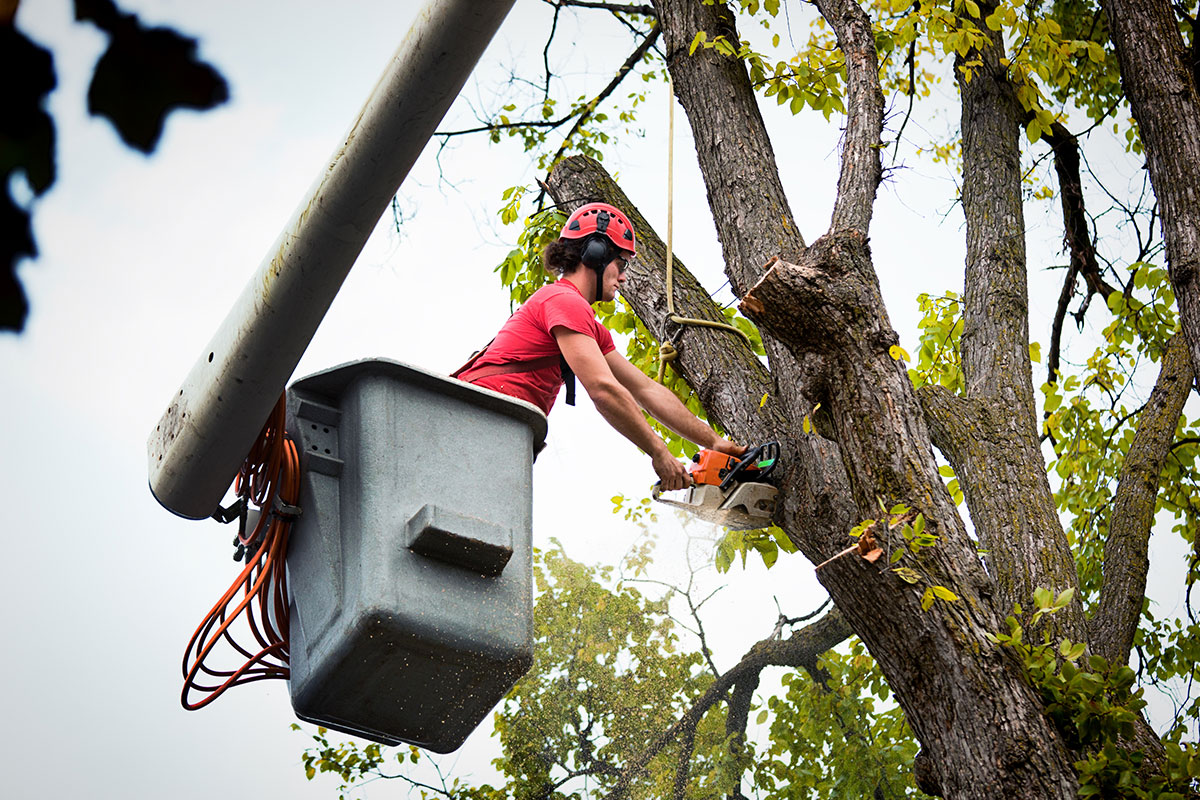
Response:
column 140, row 260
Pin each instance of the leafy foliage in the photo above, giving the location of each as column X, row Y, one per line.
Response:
column 839, row 735
column 1094, row 705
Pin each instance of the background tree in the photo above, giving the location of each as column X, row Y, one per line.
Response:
column 1007, row 644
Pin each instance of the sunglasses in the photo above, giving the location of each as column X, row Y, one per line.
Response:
column 622, row 264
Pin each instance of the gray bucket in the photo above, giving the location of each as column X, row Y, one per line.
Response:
column 409, row 568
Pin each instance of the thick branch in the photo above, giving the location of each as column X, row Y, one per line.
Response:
column 1157, row 78
column 1002, row 470
column 754, row 221
column 800, row 649
column 1126, row 556
column 861, row 168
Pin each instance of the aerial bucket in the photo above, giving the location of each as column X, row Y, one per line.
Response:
column 410, row 568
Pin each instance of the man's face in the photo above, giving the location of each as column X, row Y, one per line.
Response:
column 614, row 276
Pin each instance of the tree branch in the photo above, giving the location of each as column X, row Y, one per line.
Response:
column 616, row 8
column 582, row 112
column 799, row 650
column 1004, row 477
column 1126, row 556
column 1077, row 236
column 861, row 167
column 1159, row 82
column 631, row 62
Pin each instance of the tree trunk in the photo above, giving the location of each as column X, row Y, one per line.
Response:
column 964, row 697
column 1158, row 80
column 992, row 439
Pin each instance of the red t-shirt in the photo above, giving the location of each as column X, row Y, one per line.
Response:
column 528, row 335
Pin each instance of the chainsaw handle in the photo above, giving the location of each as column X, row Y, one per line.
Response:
column 768, row 449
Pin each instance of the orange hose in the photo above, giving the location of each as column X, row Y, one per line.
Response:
column 271, row 470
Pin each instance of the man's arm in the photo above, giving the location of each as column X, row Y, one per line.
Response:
column 617, row 405
column 662, row 404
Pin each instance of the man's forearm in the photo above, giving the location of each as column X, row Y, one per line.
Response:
column 620, row 410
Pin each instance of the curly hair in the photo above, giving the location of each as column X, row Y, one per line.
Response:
column 562, row 255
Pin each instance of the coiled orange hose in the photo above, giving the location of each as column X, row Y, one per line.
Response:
column 270, row 479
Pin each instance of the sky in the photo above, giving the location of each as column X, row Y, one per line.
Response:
column 141, row 258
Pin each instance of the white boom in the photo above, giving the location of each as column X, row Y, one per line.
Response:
column 203, row 437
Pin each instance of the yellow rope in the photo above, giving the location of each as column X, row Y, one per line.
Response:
column 667, row 351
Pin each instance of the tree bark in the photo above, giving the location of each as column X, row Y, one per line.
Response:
column 1126, row 551
column 1157, row 78
column 998, row 456
column 964, row 697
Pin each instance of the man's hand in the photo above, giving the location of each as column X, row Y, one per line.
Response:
column 728, row 448
column 672, row 473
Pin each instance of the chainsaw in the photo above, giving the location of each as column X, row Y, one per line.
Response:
column 730, row 491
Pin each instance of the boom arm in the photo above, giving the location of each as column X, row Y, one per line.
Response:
column 202, row 438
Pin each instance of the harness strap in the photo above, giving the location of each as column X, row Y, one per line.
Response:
column 488, row 370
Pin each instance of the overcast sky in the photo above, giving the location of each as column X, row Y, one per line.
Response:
column 140, row 260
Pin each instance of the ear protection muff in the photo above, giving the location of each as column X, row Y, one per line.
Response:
column 596, row 252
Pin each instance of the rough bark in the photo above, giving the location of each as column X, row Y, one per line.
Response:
column 1126, row 551
column 999, row 461
column 741, row 177
column 1156, row 75
column 861, row 169
column 965, row 698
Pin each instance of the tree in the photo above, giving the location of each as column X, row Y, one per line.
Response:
column 1007, row 643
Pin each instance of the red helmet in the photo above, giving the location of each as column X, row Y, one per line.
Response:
column 603, row 219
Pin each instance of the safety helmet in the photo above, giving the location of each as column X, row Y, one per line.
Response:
column 603, row 230
column 603, row 219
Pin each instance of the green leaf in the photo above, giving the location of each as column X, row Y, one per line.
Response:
column 907, row 574
column 942, row 593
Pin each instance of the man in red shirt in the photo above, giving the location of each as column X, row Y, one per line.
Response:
column 557, row 328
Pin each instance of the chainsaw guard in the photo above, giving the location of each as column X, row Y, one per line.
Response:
column 745, row 506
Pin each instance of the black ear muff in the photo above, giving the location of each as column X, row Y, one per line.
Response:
column 597, row 252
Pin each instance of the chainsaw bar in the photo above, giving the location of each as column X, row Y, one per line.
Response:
column 746, row 506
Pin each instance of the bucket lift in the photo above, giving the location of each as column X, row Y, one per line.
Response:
column 410, row 606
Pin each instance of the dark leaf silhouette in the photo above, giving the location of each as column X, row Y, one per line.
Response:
column 145, row 74
column 26, row 147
